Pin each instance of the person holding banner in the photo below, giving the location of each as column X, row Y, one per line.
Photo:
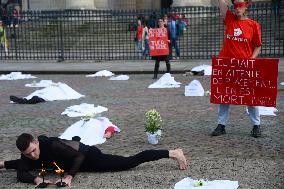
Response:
column 242, row 40
column 159, row 46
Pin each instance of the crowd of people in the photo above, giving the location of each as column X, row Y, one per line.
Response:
column 7, row 19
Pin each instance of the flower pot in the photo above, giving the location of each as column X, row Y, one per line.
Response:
column 154, row 138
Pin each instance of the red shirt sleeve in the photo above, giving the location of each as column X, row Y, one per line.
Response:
column 256, row 39
column 229, row 17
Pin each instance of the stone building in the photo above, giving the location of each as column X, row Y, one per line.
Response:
column 107, row 4
column 112, row 4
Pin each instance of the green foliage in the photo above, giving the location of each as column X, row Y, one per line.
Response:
column 199, row 183
column 153, row 121
column 89, row 116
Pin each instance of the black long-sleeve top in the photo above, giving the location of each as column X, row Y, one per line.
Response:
column 65, row 153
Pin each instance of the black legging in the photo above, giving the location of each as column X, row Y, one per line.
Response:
column 97, row 161
column 157, row 64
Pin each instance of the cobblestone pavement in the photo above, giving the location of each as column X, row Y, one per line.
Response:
column 188, row 121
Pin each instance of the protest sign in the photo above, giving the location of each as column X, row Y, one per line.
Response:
column 240, row 81
column 158, row 42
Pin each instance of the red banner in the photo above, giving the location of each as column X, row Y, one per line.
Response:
column 158, row 42
column 251, row 82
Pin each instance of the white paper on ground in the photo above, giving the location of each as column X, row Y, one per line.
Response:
column 194, row 88
column 266, row 110
column 282, row 83
column 91, row 132
column 187, row 183
column 42, row 83
column 207, row 69
column 16, row 76
column 166, row 81
column 119, row 77
column 58, row 91
column 102, row 73
column 83, row 110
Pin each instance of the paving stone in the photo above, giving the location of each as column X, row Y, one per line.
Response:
column 187, row 123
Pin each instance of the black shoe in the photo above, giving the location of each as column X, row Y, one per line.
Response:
column 18, row 100
column 220, row 130
column 76, row 138
column 200, row 73
column 256, row 131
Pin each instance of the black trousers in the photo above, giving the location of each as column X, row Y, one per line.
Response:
column 99, row 162
column 96, row 161
column 157, row 64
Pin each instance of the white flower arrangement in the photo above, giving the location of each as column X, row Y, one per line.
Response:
column 153, row 121
column 88, row 116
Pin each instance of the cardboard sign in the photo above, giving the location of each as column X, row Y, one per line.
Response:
column 158, row 42
column 238, row 81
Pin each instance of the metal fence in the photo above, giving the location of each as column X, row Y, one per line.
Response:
column 109, row 34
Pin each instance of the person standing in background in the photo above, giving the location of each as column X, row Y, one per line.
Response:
column 138, row 37
column 3, row 38
column 165, row 58
column 145, row 41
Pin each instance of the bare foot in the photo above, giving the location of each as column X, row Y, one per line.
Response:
column 178, row 155
column 2, row 166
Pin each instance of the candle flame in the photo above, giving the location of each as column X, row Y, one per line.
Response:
column 42, row 171
column 58, row 170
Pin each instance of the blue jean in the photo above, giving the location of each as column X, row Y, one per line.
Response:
column 174, row 45
column 146, row 48
column 223, row 114
column 139, row 45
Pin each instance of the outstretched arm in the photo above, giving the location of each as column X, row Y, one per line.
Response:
column 23, row 174
column 256, row 52
column 66, row 152
column 223, row 6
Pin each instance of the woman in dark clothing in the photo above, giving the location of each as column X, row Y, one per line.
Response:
column 165, row 58
column 74, row 156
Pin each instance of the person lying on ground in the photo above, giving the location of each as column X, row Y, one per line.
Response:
column 33, row 100
column 74, row 156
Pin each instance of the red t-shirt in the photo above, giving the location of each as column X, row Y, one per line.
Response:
column 139, row 33
column 241, row 37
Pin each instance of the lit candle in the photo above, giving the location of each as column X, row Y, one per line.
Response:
column 59, row 171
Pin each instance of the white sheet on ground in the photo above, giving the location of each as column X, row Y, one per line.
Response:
column 42, row 83
column 102, row 73
column 119, row 77
column 91, row 132
column 58, row 91
column 194, row 88
column 207, row 69
column 83, row 110
column 263, row 110
column 166, row 81
column 16, row 76
column 187, row 183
